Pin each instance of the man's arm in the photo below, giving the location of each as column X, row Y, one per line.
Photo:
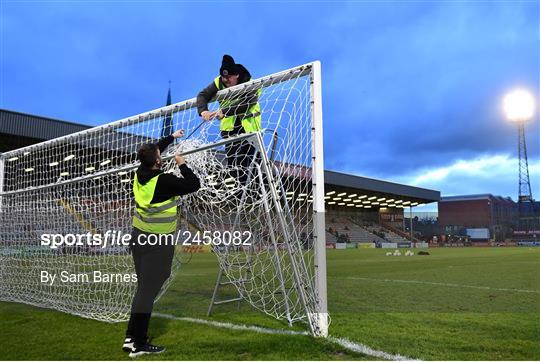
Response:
column 166, row 141
column 169, row 185
column 205, row 96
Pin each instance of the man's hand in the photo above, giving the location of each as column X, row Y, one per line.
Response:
column 178, row 134
column 219, row 114
column 180, row 160
column 208, row 116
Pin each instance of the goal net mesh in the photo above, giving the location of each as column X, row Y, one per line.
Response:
column 258, row 185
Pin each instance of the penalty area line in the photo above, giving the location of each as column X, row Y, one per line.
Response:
column 343, row 342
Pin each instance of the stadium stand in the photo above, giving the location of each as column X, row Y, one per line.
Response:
column 356, row 220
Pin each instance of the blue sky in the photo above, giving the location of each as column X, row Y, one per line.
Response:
column 412, row 89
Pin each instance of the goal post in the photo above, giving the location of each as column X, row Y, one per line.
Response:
column 319, row 226
column 268, row 184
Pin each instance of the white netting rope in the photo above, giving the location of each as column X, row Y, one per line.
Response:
column 82, row 183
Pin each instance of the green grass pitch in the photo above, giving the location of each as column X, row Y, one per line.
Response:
column 461, row 303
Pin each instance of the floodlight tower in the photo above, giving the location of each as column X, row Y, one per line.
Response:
column 519, row 109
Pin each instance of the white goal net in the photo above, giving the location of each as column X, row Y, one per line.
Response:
column 267, row 184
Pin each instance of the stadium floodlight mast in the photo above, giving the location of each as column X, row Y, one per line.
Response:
column 519, row 108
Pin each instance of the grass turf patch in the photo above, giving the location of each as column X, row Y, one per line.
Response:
column 462, row 303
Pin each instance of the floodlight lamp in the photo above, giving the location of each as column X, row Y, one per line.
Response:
column 518, row 105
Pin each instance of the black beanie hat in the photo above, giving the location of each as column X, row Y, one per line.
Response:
column 228, row 66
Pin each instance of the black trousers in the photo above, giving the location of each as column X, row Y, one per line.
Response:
column 153, row 267
column 239, row 156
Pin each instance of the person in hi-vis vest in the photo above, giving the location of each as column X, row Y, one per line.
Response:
column 156, row 195
column 238, row 115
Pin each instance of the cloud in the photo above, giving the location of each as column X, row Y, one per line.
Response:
column 427, row 90
column 495, row 174
column 406, row 86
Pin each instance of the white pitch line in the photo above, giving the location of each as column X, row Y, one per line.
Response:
column 361, row 348
column 237, row 327
column 442, row 284
column 345, row 343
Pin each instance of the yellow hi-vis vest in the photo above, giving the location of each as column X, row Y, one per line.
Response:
column 251, row 120
column 157, row 218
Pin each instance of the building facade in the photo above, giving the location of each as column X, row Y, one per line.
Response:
column 485, row 211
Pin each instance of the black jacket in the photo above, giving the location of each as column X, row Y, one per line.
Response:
column 239, row 108
column 169, row 185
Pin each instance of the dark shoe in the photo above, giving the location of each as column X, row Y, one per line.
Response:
column 146, row 349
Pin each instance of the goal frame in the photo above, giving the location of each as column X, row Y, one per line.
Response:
column 318, row 320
